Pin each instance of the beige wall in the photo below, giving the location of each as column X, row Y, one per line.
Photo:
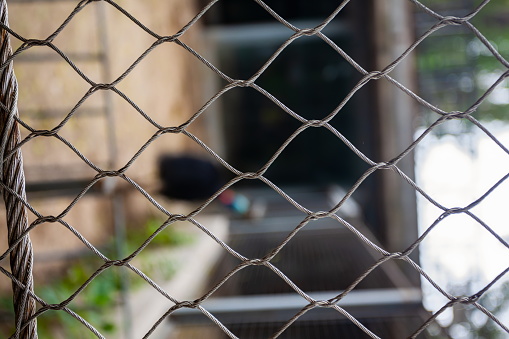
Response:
column 165, row 85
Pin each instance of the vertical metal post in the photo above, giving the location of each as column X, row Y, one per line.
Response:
column 13, row 186
column 393, row 34
column 105, row 63
column 116, row 197
column 120, row 241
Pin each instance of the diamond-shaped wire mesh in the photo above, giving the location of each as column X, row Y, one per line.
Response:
column 160, row 129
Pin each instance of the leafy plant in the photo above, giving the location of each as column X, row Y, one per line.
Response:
column 469, row 322
column 96, row 301
column 168, row 237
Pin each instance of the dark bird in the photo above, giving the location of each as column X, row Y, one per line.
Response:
column 186, row 177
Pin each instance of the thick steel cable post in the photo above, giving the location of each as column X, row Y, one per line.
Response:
column 21, row 256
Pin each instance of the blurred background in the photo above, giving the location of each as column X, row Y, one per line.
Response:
column 312, row 78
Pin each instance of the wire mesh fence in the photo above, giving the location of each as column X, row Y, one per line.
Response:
column 30, row 306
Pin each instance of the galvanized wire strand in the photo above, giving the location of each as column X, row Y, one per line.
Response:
column 308, row 215
column 285, row 145
column 12, row 176
column 355, row 321
column 312, row 123
column 487, row 132
column 463, row 301
column 172, row 220
column 478, row 102
column 219, row 324
column 491, row 316
column 46, row 133
column 455, row 210
column 40, row 220
column 44, row 308
column 489, row 229
column 428, row 322
column 426, row 276
column 29, row 43
column 441, row 17
column 480, row 293
column 475, row 297
column 47, row 307
column 187, row 304
column 488, row 44
column 315, row 304
column 450, row 211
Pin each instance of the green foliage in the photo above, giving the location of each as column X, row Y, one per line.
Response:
column 167, row 237
column 474, row 322
column 96, row 301
column 91, row 304
column 453, row 62
column 170, row 237
column 6, row 314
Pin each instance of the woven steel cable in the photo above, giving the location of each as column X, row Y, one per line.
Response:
column 21, row 255
column 308, row 215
